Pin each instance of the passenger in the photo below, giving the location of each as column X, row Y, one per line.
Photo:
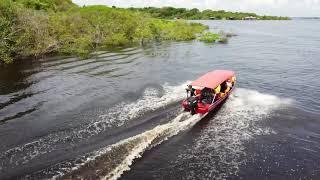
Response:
column 216, row 92
column 197, row 93
column 191, row 90
column 229, row 86
column 233, row 80
column 221, row 94
column 229, row 83
column 206, row 96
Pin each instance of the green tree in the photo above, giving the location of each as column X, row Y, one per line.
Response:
column 7, row 33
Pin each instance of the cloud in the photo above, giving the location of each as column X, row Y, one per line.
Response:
column 270, row 7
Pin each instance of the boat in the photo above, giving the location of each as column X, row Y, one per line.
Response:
column 208, row 91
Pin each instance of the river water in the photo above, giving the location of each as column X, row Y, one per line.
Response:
column 118, row 114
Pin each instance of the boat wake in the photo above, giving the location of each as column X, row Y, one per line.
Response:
column 112, row 161
column 151, row 99
column 219, row 149
column 224, row 136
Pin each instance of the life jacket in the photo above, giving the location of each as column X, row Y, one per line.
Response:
column 197, row 92
column 233, row 79
column 227, row 90
column 217, row 89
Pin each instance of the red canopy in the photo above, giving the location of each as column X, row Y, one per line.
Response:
column 213, row 79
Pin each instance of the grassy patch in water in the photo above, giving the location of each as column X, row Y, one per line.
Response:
column 209, row 37
column 220, row 37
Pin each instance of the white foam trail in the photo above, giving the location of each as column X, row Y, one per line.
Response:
column 136, row 145
column 145, row 140
column 116, row 116
column 234, row 124
column 225, row 135
column 151, row 100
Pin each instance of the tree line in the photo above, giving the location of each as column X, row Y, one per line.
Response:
column 196, row 14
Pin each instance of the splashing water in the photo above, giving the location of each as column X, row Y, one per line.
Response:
column 145, row 141
column 114, row 117
column 223, row 138
column 219, row 145
column 112, row 161
column 151, row 100
column 220, row 149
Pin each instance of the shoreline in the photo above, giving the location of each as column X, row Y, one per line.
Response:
column 79, row 31
column 32, row 31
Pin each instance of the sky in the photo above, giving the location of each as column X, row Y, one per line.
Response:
column 292, row 8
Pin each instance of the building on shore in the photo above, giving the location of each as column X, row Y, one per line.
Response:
column 250, row 18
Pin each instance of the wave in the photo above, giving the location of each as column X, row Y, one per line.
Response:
column 116, row 116
column 224, row 137
column 112, row 161
column 150, row 101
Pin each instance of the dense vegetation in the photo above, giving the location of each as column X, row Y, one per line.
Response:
column 40, row 27
column 193, row 14
column 33, row 28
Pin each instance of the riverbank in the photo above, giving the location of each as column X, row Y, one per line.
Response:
column 38, row 28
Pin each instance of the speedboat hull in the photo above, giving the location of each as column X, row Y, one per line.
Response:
column 203, row 108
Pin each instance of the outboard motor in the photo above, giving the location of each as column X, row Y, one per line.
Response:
column 192, row 104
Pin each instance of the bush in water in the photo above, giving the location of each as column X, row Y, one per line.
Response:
column 210, row 37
